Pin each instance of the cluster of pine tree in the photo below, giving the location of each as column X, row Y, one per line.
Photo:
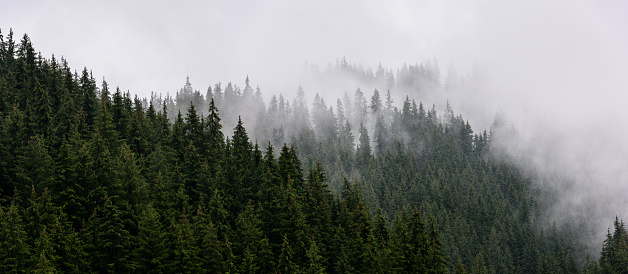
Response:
column 614, row 257
column 95, row 181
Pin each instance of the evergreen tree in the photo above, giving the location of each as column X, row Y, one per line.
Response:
column 151, row 250
column 215, row 138
column 376, row 103
column 435, row 259
column 185, row 256
column 42, row 111
column 111, row 242
column 317, row 206
column 45, row 262
column 479, row 267
column 209, row 245
column 250, row 245
column 363, row 152
column 285, row 264
column 36, row 167
column 614, row 256
column 15, row 252
column 315, row 261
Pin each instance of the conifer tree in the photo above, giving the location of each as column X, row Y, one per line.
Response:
column 42, row 111
column 435, row 259
column 87, row 96
column 44, row 253
column 215, row 138
column 363, row 152
column 479, row 267
column 151, row 250
column 376, row 103
column 185, row 256
column 317, row 207
column 35, row 167
column 285, row 263
column 111, row 242
column 209, row 246
column 460, row 268
column 15, row 252
column 250, row 244
column 68, row 246
column 315, row 261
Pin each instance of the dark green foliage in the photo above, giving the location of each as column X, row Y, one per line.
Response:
column 210, row 246
column 151, row 249
column 15, row 252
column 285, row 264
column 108, row 242
column 185, row 253
column 614, row 257
column 35, row 167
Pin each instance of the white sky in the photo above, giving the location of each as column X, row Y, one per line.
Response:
column 148, row 46
column 534, row 50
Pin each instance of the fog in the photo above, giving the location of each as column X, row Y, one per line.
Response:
column 556, row 69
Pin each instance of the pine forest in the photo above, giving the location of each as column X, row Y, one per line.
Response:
column 95, row 180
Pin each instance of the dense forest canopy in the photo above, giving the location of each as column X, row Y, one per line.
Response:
column 94, row 180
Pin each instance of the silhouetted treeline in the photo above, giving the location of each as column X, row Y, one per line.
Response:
column 92, row 180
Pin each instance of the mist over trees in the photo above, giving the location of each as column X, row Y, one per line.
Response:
column 94, row 180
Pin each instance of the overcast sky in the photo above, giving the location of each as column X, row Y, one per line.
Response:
column 145, row 46
column 559, row 66
column 154, row 45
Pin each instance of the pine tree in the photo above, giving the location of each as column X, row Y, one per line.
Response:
column 42, row 111
column 35, row 167
column 240, row 167
column 376, row 103
column 435, row 258
column 460, row 269
column 363, row 152
column 120, row 114
column 194, row 172
column 44, row 254
column 341, row 253
column 215, row 138
column 315, row 261
column 138, row 129
column 360, row 108
column 151, row 250
column 110, row 242
column 317, row 207
column 74, row 169
column 15, row 252
column 419, row 257
column 87, row 96
column 285, row 264
column 177, row 138
column 614, row 256
column 479, row 267
column 250, row 244
column 185, row 252
column 209, row 245
column 68, row 246
column 290, row 169
column 193, row 129
column 381, row 136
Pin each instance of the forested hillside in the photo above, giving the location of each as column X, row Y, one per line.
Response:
column 93, row 180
